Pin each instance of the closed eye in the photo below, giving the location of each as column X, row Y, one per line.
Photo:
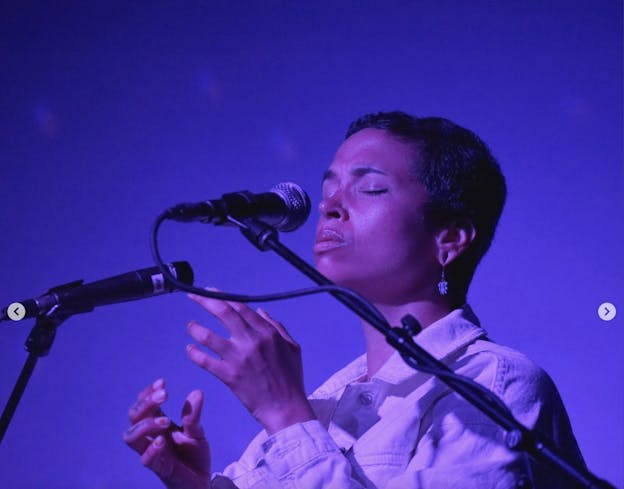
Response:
column 376, row 191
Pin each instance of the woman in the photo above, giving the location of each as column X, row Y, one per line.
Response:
column 409, row 207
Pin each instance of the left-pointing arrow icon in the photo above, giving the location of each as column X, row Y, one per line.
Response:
column 16, row 311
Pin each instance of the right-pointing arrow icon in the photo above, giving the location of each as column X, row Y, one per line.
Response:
column 606, row 311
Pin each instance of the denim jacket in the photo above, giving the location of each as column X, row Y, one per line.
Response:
column 406, row 429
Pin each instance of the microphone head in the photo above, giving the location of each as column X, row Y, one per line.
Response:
column 297, row 202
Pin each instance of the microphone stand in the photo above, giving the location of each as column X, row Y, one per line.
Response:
column 518, row 437
column 38, row 344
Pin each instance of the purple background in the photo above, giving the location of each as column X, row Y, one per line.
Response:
column 112, row 111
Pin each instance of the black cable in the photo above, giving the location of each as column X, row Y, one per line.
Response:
column 228, row 296
column 335, row 289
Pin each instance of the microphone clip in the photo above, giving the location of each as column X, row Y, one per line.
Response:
column 258, row 233
column 45, row 305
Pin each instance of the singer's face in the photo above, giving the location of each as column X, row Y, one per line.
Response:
column 371, row 234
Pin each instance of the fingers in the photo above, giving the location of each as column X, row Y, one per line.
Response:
column 278, row 326
column 237, row 317
column 157, row 384
column 251, row 332
column 208, row 338
column 202, row 359
column 140, row 435
column 193, row 470
column 224, row 312
column 148, row 401
column 159, row 457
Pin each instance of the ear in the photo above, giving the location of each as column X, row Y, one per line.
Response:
column 454, row 238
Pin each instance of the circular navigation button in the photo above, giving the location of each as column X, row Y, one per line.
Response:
column 16, row 311
column 606, row 311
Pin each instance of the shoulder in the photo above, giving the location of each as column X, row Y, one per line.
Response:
column 508, row 369
column 523, row 385
column 526, row 388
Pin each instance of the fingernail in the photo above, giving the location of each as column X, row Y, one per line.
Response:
column 163, row 421
column 159, row 396
column 159, row 441
column 189, row 347
column 158, row 384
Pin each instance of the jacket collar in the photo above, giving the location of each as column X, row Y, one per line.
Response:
column 442, row 339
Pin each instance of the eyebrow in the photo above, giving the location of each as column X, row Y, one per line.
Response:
column 358, row 172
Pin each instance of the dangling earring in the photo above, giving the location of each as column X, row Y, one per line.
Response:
column 443, row 284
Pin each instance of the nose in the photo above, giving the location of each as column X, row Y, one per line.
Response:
column 332, row 207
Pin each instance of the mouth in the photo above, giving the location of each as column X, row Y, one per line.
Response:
column 328, row 239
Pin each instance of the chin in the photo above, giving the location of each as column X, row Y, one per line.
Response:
column 336, row 272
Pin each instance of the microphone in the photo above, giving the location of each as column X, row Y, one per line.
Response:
column 76, row 297
column 285, row 207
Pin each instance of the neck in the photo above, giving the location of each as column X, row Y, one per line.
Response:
column 377, row 349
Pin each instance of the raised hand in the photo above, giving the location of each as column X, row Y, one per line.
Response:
column 259, row 362
column 179, row 456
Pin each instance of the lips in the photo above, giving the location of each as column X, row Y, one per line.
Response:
column 328, row 239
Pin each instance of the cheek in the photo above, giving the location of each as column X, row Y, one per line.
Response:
column 404, row 245
column 391, row 227
column 372, row 224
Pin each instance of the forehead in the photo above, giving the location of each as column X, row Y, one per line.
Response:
column 373, row 151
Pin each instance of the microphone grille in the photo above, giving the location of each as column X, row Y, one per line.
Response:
column 297, row 202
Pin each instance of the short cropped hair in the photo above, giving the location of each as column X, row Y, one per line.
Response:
column 460, row 175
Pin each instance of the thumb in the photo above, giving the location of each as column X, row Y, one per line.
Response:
column 191, row 412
